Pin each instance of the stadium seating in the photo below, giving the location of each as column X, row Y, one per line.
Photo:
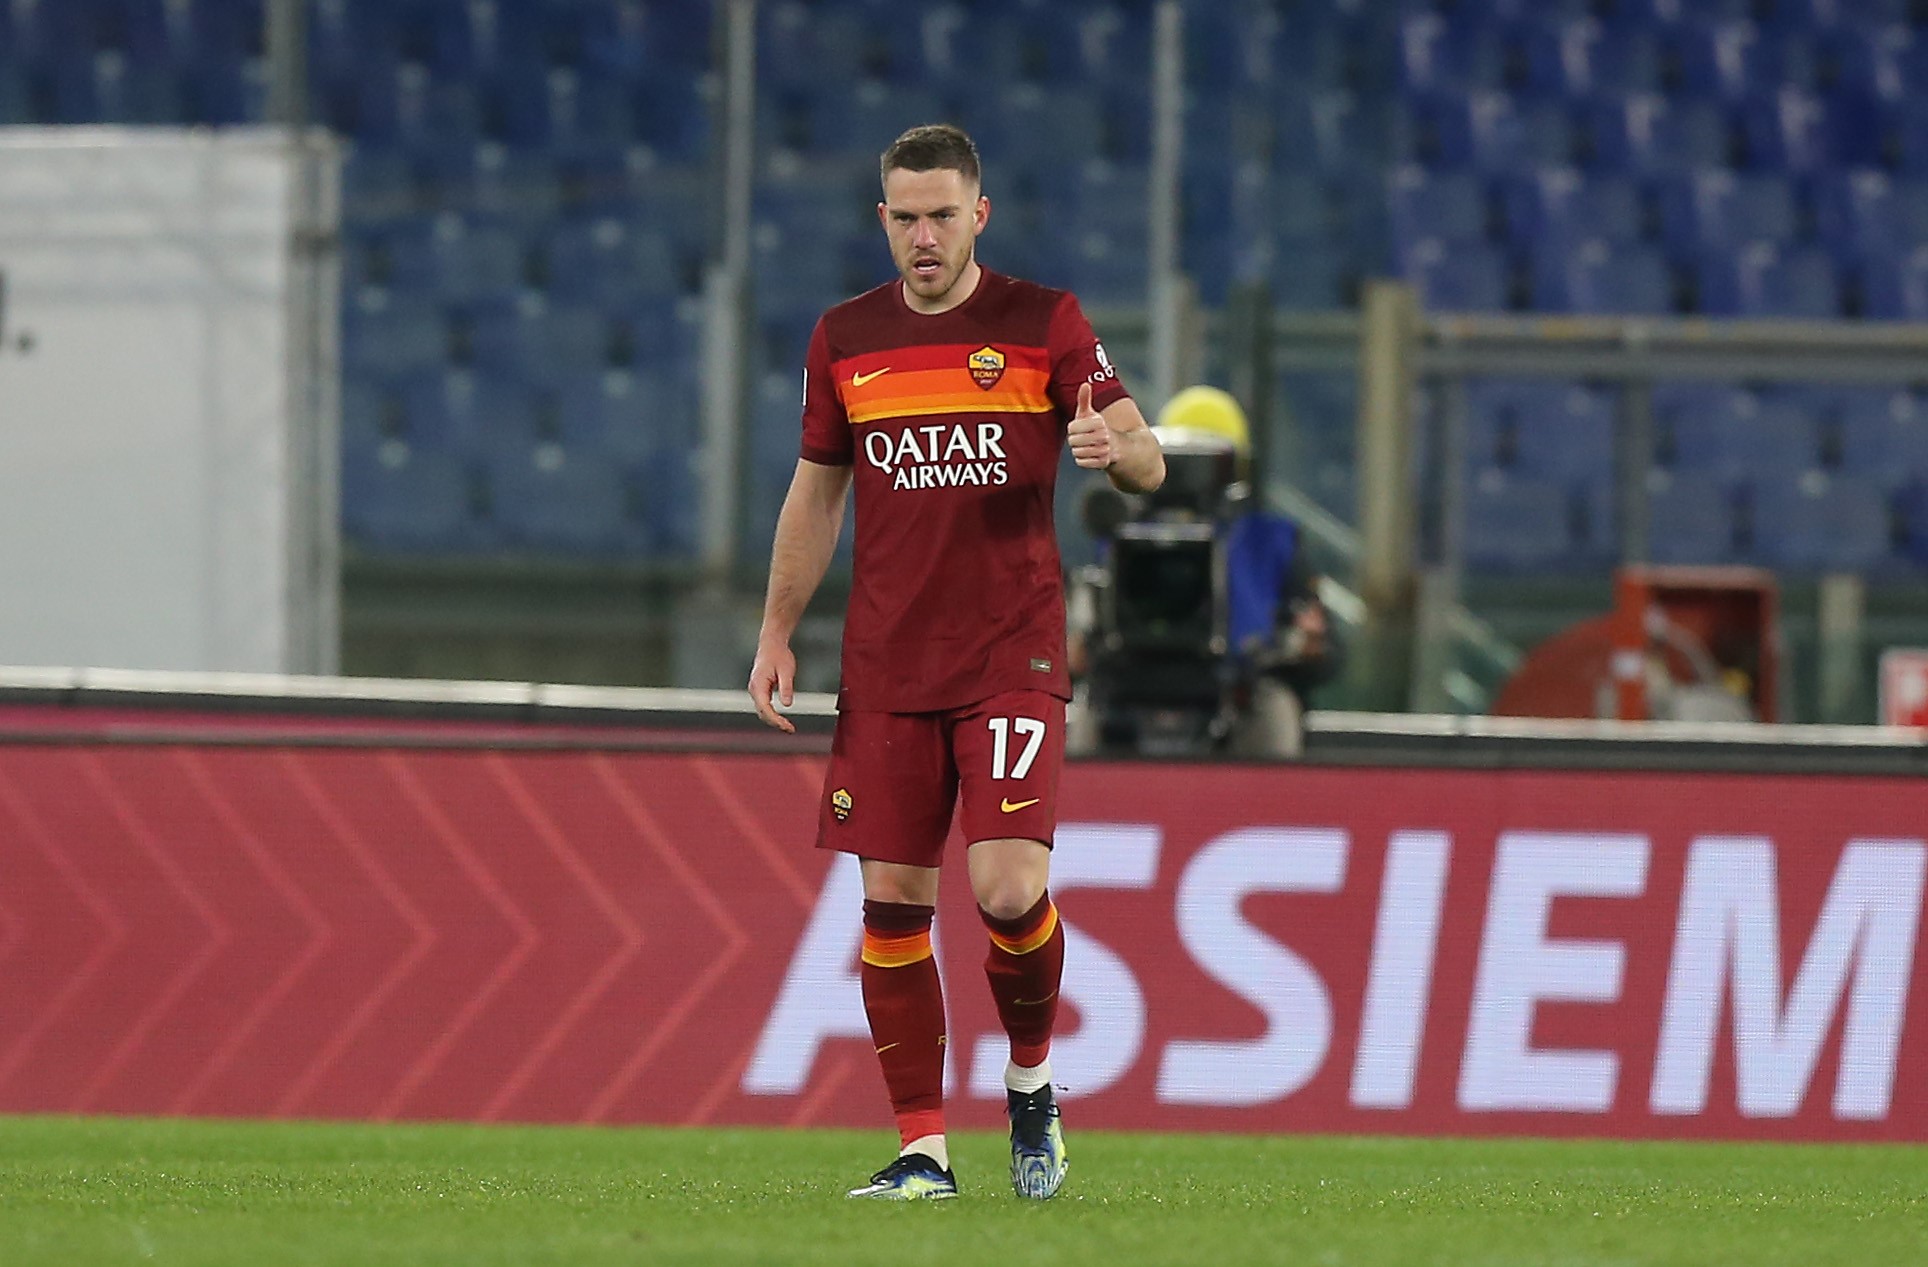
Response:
column 1690, row 519
column 1516, row 524
column 527, row 214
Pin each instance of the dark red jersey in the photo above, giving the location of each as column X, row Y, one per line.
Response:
column 954, row 422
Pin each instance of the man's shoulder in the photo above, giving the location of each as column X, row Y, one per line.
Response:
column 1022, row 293
column 874, row 305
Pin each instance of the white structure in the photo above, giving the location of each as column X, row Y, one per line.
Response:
column 168, row 315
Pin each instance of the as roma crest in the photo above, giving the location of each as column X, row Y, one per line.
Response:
column 987, row 367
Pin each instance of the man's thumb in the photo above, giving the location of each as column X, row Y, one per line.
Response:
column 1084, row 399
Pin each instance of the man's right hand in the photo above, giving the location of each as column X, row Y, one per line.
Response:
column 773, row 674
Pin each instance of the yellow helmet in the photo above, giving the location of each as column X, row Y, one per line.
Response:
column 1211, row 411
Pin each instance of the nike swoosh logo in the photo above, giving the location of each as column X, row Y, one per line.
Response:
column 1011, row 807
column 886, row 1047
column 858, row 380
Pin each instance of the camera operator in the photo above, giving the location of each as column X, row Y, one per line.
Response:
column 1201, row 628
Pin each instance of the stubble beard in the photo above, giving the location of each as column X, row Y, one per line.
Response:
column 936, row 288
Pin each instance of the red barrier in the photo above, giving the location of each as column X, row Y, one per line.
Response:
column 599, row 936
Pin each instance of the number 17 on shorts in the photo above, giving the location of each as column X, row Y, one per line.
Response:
column 1009, row 751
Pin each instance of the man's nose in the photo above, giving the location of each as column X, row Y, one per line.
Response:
column 922, row 235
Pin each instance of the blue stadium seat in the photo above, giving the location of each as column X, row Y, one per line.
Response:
column 1517, row 524
column 552, row 500
column 1714, row 208
column 1791, row 130
column 378, row 182
column 385, row 334
column 1457, row 277
column 223, row 92
column 1601, row 278
column 662, row 500
column 1820, row 523
column 1690, row 519
column 1309, row 275
column 464, row 412
column 531, row 339
column 864, row 117
column 1032, row 134
column 1648, row 134
column 1872, row 57
column 1734, row 436
column 604, row 261
column 1896, row 288
column 106, row 87
column 1299, row 206
column 1329, row 131
column 628, row 414
column 403, row 500
column 1581, row 57
column 1436, row 54
column 1723, row 59
column 1488, row 132
column 1557, row 208
column 801, row 45
column 1760, row 281
column 1876, row 434
column 1541, row 429
column 473, row 260
column 1857, row 215
column 1449, row 206
column 1689, row 405
column 16, row 92
column 793, row 267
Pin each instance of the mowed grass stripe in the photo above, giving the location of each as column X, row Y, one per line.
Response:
column 103, row 1190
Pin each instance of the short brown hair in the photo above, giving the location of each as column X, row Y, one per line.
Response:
column 933, row 147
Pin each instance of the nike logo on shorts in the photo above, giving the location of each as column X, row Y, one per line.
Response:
column 858, row 380
column 1010, row 806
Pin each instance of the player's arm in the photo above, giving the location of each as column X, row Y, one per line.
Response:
column 807, row 528
column 1117, row 441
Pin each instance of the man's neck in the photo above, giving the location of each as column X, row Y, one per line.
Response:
column 966, row 287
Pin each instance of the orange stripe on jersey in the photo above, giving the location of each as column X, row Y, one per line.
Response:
column 942, row 391
column 896, row 952
column 1030, row 941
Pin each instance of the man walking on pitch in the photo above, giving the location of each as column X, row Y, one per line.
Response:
column 944, row 397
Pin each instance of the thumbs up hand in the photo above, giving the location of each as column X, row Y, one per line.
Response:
column 1090, row 437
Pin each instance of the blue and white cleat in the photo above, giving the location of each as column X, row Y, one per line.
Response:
column 912, row 1177
column 1037, row 1144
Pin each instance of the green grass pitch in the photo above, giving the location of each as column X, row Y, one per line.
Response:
column 97, row 1190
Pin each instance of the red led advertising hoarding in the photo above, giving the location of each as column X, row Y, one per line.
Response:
column 607, row 936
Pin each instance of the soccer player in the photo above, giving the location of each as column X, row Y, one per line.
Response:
column 944, row 397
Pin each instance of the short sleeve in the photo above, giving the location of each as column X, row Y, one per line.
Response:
column 1078, row 358
column 826, row 427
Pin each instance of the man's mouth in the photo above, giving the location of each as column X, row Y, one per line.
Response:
column 926, row 266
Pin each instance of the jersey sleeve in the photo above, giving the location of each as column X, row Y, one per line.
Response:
column 1078, row 358
column 826, row 427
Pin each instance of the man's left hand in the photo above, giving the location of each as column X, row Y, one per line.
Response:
column 1092, row 446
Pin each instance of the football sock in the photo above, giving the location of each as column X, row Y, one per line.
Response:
column 1024, row 968
column 905, row 1003
column 1026, row 1081
column 933, row 1147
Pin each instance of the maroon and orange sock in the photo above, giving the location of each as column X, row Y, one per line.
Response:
column 1024, row 967
column 905, row 1003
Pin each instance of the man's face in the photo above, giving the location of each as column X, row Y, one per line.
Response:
column 933, row 219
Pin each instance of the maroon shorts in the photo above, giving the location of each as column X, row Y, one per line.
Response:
column 896, row 778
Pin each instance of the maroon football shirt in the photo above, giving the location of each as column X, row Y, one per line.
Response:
column 954, row 421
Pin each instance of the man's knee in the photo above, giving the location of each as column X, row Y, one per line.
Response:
column 895, row 882
column 1009, row 876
